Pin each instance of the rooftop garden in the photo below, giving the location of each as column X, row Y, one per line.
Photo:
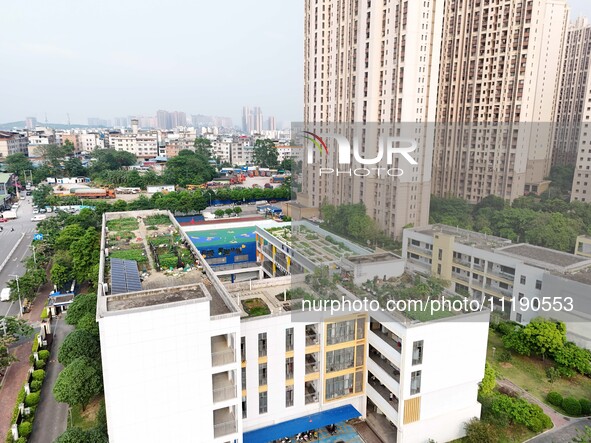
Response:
column 255, row 307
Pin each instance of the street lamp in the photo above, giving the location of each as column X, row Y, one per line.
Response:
column 34, row 256
column 18, row 289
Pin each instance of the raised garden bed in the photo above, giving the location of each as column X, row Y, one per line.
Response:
column 255, row 307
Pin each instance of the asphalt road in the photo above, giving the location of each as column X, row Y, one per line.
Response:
column 8, row 239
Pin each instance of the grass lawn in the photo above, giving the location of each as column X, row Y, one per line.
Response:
column 530, row 373
column 86, row 419
column 255, row 307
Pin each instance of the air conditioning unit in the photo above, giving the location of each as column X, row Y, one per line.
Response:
column 105, row 288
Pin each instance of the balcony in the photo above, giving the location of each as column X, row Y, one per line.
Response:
column 389, row 337
column 224, row 386
column 384, row 392
column 499, row 290
column 312, row 336
column 224, row 422
column 221, row 353
column 312, row 365
column 310, row 393
column 384, row 363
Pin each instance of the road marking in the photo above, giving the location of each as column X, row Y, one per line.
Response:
column 8, row 310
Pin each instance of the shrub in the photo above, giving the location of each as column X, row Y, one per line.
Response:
column 25, row 429
column 552, row 374
column 39, row 374
column 505, row 327
column 571, row 406
column 36, row 385
column 554, row 398
column 565, row 372
column 32, row 399
column 43, row 354
column 35, row 346
column 21, row 440
column 505, row 356
column 40, row 364
column 44, row 314
column 585, row 406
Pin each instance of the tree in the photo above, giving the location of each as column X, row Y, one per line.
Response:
column 11, row 329
column 73, row 167
column 17, row 163
column 79, row 343
column 265, row 153
column 479, row 432
column 553, row 230
column 573, row 357
column 89, row 324
column 111, row 159
column 85, row 254
column 488, row 383
column 54, row 156
column 237, row 210
column 286, row 164
column 219, row 213
column 229, row 211
column 41, row 195
column 203, row 147
column 515, row 341
column 82, row 304
column 80, row 381
column 188, row 168
column 60, row 275
column 68, row 235
column 583, row 436
column 544, row 336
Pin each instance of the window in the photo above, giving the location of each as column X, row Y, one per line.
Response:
column 415, row 383
column 522, row 280
column 263, row 402
column 262, row 344
column 340, row 332
column 520, row 297
column 417, row 352
column 439, row 269
column 244, row 407
column 262, row 374
column 243, row 348
column 538, row 284
column 340, row 359
column 518, row 318
column 288, row 396
column 243, row 378
column 440, row 254
column 289, row 368
column 289, row 339
column 339, row 386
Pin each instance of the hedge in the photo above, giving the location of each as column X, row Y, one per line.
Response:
column 36, row 385
column 554, row 398
column 25, row 429
column 39, row 374
column 43, row 354
column 32, row 399
column 571, row 406
column 585, row 406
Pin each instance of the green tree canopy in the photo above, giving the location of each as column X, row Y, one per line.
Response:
column 17, row 163
column 265, row 153
column 111, row 159
column 79, row 382
column 79, row 343
column 188, row 168
column 82, row 304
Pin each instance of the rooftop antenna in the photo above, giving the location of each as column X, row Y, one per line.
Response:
column 68, row 114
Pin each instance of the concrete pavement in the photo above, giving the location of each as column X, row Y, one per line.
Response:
column 52, row 417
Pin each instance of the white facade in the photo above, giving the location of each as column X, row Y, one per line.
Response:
column 90, row 141
column 12, row 143
column 144, row 145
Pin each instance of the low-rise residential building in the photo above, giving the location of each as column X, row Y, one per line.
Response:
column 513, row 279
column 583, row 246
column 12, row 143
column 143, row 144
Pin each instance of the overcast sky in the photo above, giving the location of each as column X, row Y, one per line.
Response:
column 132, row 57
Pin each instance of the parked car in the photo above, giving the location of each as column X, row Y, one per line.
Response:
column 28, row 193
column 42, row 210
column 35, row 210
column 3, row 220
column 5, row 294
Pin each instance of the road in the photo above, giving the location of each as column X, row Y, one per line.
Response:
column 52, row 417
column 8, row 238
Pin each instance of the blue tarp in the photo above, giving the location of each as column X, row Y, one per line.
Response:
column 302, row 424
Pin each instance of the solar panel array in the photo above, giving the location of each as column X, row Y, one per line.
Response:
column 125, row 276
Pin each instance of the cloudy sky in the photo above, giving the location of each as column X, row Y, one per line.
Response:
column 132, row 57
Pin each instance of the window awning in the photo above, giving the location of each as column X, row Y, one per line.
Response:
column 302, row 424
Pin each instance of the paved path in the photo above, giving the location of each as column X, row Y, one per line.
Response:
column 562, row 423
column 12, row 383
column 51, row 417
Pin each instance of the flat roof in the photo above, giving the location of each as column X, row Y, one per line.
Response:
column 373, row 258
column 537, row 255
column 464, row 236
column 144, row 299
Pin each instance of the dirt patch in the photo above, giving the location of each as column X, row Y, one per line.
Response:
column 505, row 365
column 91, row 411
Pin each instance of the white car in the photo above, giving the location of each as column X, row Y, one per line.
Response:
column 5, row 294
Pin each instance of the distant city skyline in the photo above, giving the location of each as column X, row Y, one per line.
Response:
column 57, row 70
column 118, row 59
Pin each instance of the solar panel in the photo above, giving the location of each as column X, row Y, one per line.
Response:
column 125, row 276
